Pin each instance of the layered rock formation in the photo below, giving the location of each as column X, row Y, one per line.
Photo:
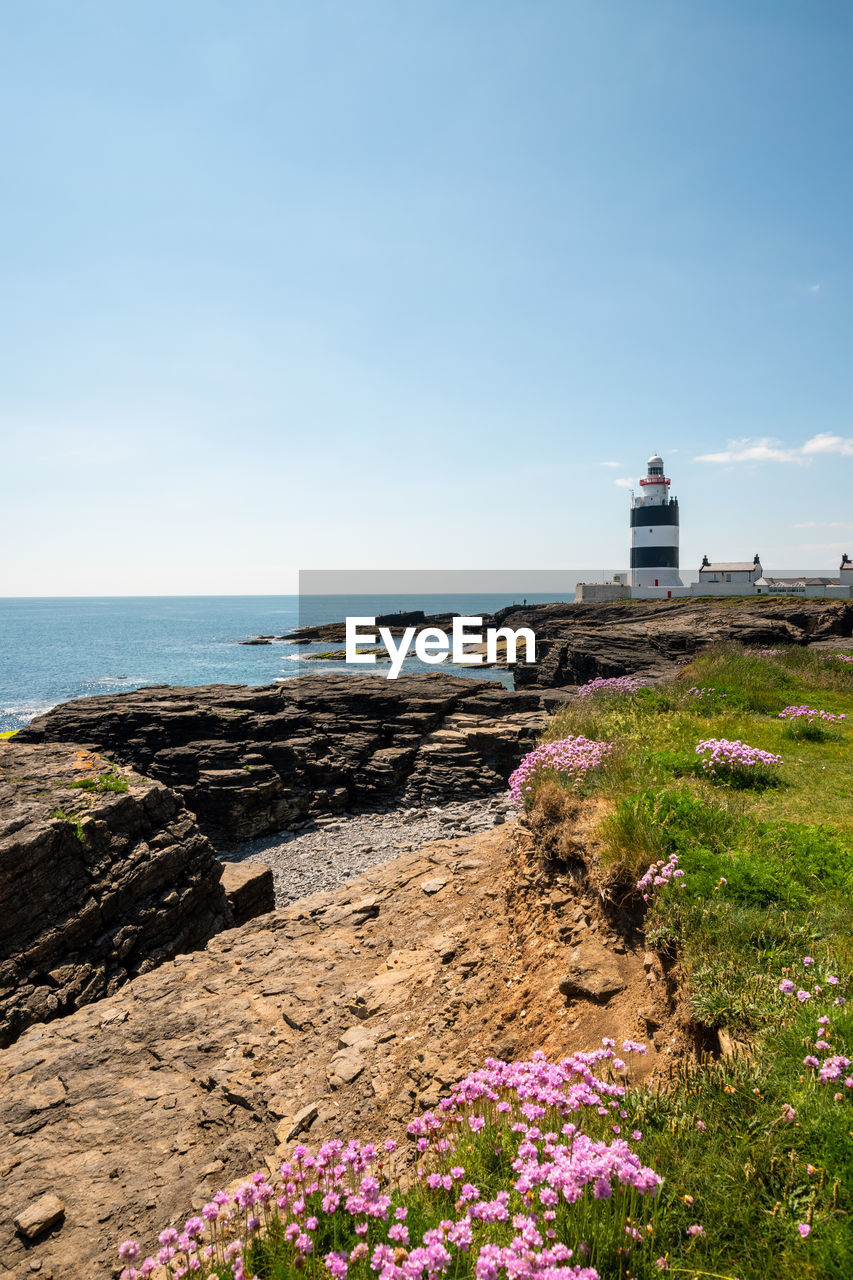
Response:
column 103, row 874
column 341, row 1015
column 578, row 642
column 248, row 761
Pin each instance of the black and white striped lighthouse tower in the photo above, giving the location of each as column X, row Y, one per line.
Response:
column 654, row 531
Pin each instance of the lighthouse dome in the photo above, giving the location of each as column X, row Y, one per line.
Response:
column 655, row 460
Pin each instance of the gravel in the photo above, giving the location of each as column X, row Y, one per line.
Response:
column 323, row 854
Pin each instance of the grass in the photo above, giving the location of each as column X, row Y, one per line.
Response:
column 108, row 781
column 74, row 819
column 656, row 731
column 768, row 880
column 8, row 733
column 338, row 655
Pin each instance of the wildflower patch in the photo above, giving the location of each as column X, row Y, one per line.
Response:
column 735, row 761
column 571, row 759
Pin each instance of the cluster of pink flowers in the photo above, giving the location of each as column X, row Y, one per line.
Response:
column 660, row 874
column 703, row 693
column 573, row 757
column 831, row 1067
column 811, row 714
column 839, row 657
column 721, row 757
column 763, row 653
column 612, row 684
column 523, row 1104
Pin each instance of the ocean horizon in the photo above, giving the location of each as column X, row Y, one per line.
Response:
column 56, row 648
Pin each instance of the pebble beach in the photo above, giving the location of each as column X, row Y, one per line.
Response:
column 325, row 853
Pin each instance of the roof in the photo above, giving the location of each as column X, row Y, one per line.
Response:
column 739, row 567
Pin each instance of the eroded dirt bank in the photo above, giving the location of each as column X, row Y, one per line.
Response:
column 342, row 1014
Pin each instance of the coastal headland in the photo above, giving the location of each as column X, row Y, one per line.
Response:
column 201, row 1050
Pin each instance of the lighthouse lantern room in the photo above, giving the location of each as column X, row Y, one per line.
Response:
column 654, row 531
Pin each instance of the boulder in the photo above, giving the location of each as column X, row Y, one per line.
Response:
column 345, row 1067
column 303, row 1121
column 592, row 973
column 249, row 889
column 39, row 1216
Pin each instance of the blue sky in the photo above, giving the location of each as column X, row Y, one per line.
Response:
column 345, row 285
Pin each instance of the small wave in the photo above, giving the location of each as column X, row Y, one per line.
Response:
column 20, row 715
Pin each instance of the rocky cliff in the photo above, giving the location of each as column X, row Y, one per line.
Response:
column 577, row 642
column 103, row 874
column 248, row 761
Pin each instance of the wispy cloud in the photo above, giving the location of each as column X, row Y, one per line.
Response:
column 814, row 288
column 826, row 443
column 610, row 464
column 625, row 482
column 767, row 449
column 764, row 449
column 824, row 524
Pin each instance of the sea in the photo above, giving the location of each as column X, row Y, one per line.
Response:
column 53, row 650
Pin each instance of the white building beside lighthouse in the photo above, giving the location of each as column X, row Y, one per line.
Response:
column 654, row 531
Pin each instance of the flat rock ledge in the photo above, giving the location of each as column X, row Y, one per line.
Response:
column 341, row 1015
column 251, row 761
column 97, row 884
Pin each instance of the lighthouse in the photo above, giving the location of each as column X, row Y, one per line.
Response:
column 654, row 531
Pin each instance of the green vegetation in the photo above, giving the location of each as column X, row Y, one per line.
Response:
column 108, row 781
column 339, row 655
column 764, row 899
column 8, row 733
column 656, row 730
column 74, row 819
